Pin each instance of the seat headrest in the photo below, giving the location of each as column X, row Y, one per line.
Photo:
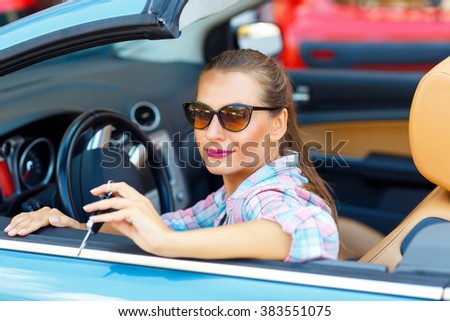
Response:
column 429, row 125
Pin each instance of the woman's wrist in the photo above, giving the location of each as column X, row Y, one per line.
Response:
column 166, row 244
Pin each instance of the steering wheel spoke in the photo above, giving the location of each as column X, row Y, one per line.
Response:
column 101, row 139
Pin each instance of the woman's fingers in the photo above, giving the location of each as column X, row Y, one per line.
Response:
column 134, row 214
column 121, row 220
column 119, row 189
column 58, row 219
column 118, row 216
column 146, row 231
column 26, row 223
column 116, row 203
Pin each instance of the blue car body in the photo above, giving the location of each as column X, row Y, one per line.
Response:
column 44, row 266
column 49, row 275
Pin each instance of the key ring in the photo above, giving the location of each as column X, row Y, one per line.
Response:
column 108, row 185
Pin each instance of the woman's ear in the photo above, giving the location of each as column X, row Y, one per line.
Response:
column 279, row 125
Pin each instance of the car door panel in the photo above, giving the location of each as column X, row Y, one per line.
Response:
column 374, row 55
column 359, row 141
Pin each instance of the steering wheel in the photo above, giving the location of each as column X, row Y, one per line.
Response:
column 103, row 145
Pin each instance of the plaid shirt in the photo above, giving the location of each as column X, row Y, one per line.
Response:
column 275, row 193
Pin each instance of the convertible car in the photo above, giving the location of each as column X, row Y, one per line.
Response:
column 92, row 91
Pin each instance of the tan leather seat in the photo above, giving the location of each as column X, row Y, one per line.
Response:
column 429, row 134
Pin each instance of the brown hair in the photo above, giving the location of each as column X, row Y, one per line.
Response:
column 277, row 93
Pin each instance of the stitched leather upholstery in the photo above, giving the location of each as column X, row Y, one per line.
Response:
column 429, row 134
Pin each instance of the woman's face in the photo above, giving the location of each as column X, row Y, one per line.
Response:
column 236, row 155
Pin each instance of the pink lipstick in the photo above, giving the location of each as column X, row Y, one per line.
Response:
column 218, row 153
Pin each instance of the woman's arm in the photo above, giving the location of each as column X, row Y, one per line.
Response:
column 259, row 239
column 136, row 218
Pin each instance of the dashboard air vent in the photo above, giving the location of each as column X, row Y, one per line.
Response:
column 146, row 115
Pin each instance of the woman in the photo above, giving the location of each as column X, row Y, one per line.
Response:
column 273, row 205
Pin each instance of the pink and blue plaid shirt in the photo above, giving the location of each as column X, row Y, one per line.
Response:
column 275, row 193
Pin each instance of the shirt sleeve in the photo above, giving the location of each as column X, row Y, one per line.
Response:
column 202, row 214
column 312, row 228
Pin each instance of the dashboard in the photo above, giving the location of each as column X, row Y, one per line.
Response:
column 26, row 163
column 39, row 103
column 28, row 159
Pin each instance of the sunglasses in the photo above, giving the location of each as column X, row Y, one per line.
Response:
column 233, row 117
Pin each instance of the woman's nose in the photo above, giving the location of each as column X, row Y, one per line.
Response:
column 215, row 131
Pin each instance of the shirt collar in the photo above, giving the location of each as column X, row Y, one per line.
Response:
column 274, row 168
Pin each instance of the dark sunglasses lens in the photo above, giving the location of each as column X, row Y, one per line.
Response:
column 235, row 117
column 197, row 115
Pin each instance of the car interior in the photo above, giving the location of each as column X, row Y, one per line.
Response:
column 374, row 154
column 138, row 90
column 427, row 124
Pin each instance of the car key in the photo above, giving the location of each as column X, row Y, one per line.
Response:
column 93, row 228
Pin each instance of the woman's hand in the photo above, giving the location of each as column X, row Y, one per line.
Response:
column 135, row 216
column 29, row 222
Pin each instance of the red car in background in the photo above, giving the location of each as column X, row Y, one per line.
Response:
column 364, row 34
column 11, row 10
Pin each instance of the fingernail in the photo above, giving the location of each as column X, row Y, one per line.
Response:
column 12, row 232
column 22, row 231
column 54, row 219
column 7, row 229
